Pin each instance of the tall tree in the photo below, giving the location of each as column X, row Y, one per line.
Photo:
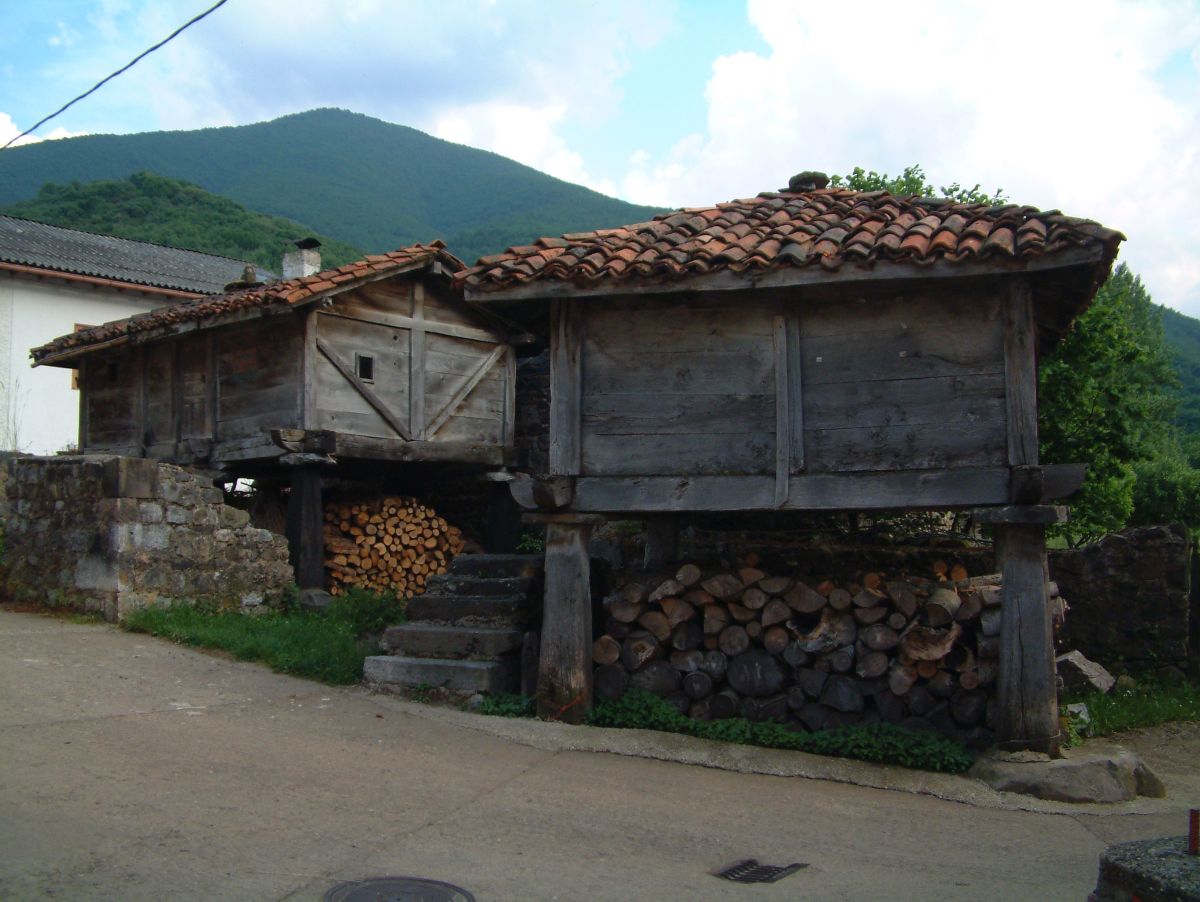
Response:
column 911, row 182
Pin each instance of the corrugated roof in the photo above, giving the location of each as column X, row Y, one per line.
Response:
column 36, row 244
column 276, row 294
column 821, row 227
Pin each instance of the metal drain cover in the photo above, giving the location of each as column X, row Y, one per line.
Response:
column 750, row 871
column 397, row 889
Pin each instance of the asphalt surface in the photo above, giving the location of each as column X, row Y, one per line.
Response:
column 133, row 769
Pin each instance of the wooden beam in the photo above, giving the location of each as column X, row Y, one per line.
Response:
column 564, row 688
column 783, row 412
column 464, row 389
column 305, row 519
column 1027, row 697
column 395, row 321
column 509, row 432
column 566, row 376
column 1020, row 374
column 363, row 389
column 366, row 447
column 416, row 366
column 84, row 394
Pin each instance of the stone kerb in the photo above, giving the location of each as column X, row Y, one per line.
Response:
column 110, row 535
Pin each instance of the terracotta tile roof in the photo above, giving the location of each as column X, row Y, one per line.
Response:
column 29, row 243
column 275, row 294
column 821, row 228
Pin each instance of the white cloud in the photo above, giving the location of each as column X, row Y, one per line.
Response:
column 9, row 129
column 1060, row 104
column 64, row 36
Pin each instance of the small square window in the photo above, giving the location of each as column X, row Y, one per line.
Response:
column 364, row 367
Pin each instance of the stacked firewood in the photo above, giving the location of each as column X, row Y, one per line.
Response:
column 915, row 650
column 392, row 544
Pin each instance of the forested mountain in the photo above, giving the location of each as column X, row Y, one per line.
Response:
column 148, row 207
column 1182, row 335
column 373, row 184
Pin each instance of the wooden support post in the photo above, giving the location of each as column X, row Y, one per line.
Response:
column 662, row 542
column 1027, row 695
column 564, row 687
column 304, row 527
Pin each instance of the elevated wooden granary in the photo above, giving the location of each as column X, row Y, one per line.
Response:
column 375, row 362
column 808, row 349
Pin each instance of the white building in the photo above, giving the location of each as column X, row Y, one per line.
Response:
column 54, row 280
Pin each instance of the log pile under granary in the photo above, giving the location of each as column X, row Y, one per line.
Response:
column 919, row 651
column 391, row 544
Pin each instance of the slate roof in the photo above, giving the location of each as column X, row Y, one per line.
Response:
column 42, row 246
column 291, row 293
column 825, row 227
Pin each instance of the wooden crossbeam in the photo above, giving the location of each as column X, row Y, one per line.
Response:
column 363, row 389
column 464, row 389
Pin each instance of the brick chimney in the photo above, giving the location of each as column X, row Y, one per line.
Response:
column 304, row 260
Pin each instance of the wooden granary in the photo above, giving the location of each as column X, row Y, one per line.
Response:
column 808, row 349
column 371, row 364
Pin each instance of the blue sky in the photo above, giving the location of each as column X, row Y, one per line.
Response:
column 1088, row 106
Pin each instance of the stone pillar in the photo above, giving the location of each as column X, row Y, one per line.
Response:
column 1026, row 691
column 564, row 686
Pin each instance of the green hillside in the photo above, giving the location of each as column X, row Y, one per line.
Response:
column 375, row 185
column 148, row 207
column 1182, row 335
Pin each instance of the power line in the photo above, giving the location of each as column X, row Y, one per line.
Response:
column 178, row 31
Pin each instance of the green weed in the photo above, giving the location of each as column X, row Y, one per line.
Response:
column 1146, row 705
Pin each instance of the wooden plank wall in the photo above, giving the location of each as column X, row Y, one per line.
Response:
column 679, row 387
column 258, row 377
column 698, row 386
column 111, row 385
column 390, row 321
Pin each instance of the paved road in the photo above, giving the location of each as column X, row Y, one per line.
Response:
column 134, row 769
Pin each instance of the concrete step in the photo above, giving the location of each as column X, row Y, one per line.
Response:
column 433, row 640
column 497, row 565
column 512, row 611
column 457, row 584
column 384, row 671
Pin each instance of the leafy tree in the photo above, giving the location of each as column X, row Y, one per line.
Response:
column 912, row 182
column 1106, row 399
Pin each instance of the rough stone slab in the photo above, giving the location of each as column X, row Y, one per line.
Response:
column 453, row 583
column 382, row 671
column 1078, row 673
column 487, row 610
column 1152, row 870
column 432, row 640
column 1110, row 774
column 497, row 565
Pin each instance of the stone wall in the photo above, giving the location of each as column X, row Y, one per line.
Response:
column 111, row 534
column 1130, row 598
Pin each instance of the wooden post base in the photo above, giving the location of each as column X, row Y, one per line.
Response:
column 305, row 519
column 1027, row 696
column 564, row 686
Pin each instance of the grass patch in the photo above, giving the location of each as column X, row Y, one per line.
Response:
column 1146, row 705
column 325, row 645
column 879, row 743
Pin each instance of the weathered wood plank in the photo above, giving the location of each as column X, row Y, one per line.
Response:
column 447, row 410
column 361, row 387
column 923, row 489
column 652, row 412
column 942, row 400
column 680, row 326
column 909, row 447
column 678, row 453
column 509, row 417
column 416, row 372
column 1027, row 701
column 308, row 373
column 564, row 688
column 367, row 447
column 734, row 371
column 567, row 324
column 305, row 518
column 84, row 380
column 796, row 391
column 473, row 429
column 1020, row 373
column 158, row 394
column 783, row 412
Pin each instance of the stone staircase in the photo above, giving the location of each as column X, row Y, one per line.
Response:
column 465, row 633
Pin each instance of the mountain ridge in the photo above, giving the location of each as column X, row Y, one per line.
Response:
column 372, row 184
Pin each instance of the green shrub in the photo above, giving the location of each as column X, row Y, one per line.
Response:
column 367, row 612
column 508, row 704
column 880, row 743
